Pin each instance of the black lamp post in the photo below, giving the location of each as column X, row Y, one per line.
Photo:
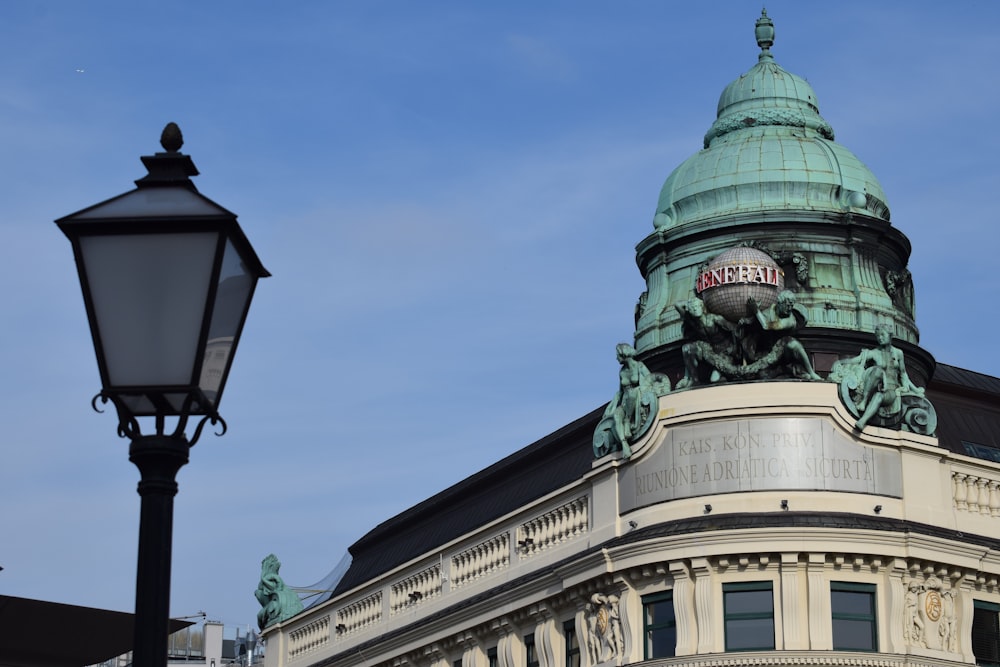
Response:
column 167, row 277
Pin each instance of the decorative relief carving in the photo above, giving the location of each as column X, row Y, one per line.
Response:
column 899, row 287
column 605, row 639
column 640, row 306
column 930, row 619
column 896, row 280
column 780, row 117
column 796, row 261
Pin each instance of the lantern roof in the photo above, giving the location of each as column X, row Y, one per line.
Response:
column 166, row 193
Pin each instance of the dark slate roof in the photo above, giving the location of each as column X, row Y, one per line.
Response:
column 967, row 405
column 540, row 468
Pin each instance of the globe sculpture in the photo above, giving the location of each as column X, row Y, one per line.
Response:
column 736, row 275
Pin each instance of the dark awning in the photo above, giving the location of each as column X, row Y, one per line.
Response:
column 50, row 634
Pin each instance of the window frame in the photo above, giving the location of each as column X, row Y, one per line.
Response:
column 727, row 616
column 572, row 655
column 871, row 591
column 648, row 628
column 530, row 651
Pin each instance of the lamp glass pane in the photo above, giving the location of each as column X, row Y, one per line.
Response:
column 148, row 293
column 231, row 302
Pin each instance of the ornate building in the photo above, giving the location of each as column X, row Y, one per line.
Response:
column 783, row 478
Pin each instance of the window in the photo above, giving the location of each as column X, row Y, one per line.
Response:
column 853, row 614
column 491, row 657
column 748, row 609
column 531, row 655
column 986, row 633
column 659, row 626
column 981, row 451
column 572, row 645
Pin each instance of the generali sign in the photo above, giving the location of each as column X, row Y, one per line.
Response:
column 735, row 274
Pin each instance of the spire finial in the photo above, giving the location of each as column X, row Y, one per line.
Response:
column 764, row 32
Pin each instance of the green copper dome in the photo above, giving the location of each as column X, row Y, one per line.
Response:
column 768, row 150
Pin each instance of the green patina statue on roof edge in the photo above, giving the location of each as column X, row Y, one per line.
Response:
column 277, row 601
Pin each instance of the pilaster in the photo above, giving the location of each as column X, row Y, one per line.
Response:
column 793, row 604
column 704, row 605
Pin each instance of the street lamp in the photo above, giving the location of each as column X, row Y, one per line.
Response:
column 167, row 277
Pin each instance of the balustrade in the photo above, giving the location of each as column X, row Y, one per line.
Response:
column 309, row 637
column 415, row 589
column 360, row 614
column 975, row 494
column 484, row 558
column 560, row 525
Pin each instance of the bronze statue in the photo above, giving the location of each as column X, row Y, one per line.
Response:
column 633, row 408
column 772, row 349
column 760, row 347
column 876, row 388
column 277, row 601
column 711, row 342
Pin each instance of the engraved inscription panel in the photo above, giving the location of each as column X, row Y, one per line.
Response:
column 767, row 454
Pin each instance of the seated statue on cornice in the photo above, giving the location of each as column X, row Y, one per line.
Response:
column 633, row 409
column 876, row 389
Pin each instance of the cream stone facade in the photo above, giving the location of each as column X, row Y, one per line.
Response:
column 533, row 571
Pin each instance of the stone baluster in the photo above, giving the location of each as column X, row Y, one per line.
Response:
column 972, row 493
column 983, row 486
column 961, row 492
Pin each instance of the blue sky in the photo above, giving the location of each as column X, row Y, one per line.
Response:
column 448, row 195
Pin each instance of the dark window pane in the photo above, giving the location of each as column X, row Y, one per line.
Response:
column 853, row 616
column 850, row 635
column 845, row 602
column 749, row 616
column 530, row 654
column 658, row 612
column 659, row 625
column 661, row 643
column 985, row 635
column 749, row 633
column 749, row 602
